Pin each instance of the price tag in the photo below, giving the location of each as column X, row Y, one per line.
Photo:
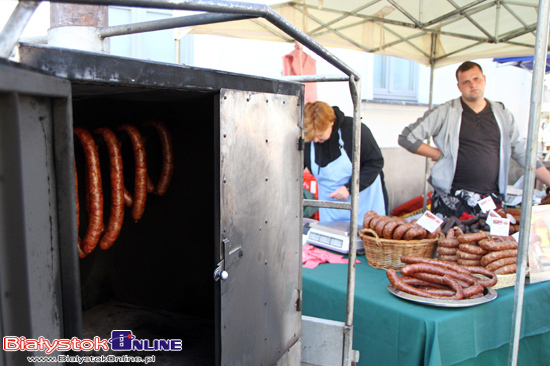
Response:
column 429, row 221
column 487, row 204
column 500, row 227
column 492, row 215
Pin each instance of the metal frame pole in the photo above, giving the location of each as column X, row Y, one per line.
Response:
column 539, row 69
column 15, row 26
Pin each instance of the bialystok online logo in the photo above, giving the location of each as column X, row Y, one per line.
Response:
column 121, row 340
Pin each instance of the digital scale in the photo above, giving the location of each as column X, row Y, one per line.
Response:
column 333, row 235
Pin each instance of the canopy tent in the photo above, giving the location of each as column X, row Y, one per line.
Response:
column 522, row 62
column 461, row 29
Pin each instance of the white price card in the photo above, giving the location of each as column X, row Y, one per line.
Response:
column 487, row 204
column 429, row 221
column 492, row 215
column 500, row 227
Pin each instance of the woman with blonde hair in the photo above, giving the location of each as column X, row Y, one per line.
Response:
column 328, row 157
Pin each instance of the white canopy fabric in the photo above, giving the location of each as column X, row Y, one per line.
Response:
column 462, row 29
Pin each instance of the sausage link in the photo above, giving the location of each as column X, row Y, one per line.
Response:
column 81, row 253
column 446, row 251
column 401, row 230
column 450, row 234
column 493, row 256
column 458, row 231
column 116, row 217
column 492, row 278
column 493, row 266
column 380, row 226
column 415, row 233
column 471, row 237
column 449, row 243
column 140, row 186
column 95, row 215
column 450, row 266
column 413, row 281
column 369, row 216
column 434, row 234
column 468, row 262
column 374, row 221
column 430, row 277
column 472, row 249
column 509, row 269
column 469, row 256
column 496, row 245
column 167, row 169
column 447, row 258
column 402, row 286
column 390, row 227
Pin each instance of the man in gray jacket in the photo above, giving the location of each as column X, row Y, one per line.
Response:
column 474, row 139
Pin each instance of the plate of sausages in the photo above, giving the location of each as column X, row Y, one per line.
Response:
column 440, row 283
column 489, row 294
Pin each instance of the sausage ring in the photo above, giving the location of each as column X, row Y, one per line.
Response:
column 117, row 188
column 446, row 251
column 368, row 217
column 140, row 186
column 493, row 256
column 93, row 178
column 390, row 227
column 401, row 230
column 472, row 249
column 380, row 224
column 415, row 233
column 167, row 169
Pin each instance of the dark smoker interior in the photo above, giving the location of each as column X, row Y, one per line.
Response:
column 156, row 279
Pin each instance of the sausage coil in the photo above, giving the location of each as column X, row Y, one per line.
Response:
column 140, row 186
column 116, row 217
column 93, row 173
column 167, row 157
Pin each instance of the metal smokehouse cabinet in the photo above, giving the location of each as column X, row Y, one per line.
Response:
column 215, row 262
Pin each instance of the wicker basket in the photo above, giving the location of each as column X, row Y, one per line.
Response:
column 386, row 253
column 505, row 281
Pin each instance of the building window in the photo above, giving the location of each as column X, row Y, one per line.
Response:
column 395, row 79
column 155, row 46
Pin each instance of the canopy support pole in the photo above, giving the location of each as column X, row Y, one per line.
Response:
column 539, row 68
column 430, row 106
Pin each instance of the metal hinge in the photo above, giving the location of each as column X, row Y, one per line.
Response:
column 301, row 143
column 299, row 300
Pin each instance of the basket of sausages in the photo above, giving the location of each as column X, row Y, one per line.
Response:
column 495, row 253
column 387, row 239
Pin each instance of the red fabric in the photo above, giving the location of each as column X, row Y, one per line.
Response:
column 313, row 256
column 298, row 62
column 310, row 183
column 412, row 205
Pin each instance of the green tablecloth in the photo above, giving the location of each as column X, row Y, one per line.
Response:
column 392, row 331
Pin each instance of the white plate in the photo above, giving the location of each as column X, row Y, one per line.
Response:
column 490, row 294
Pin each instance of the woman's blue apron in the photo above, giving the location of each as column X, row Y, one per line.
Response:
column 337, row 174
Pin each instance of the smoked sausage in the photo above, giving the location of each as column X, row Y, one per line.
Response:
column 140, row 186
column 472, row 249
column 493, row 266
column 167, row 169
column 493, row 256
column 95, row 214
column 401, row 230
column 402, row 286
column 471, row 237
column 390, row 227
column 116, row 217
column 416, row 232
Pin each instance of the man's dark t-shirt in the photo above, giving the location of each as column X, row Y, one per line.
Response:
column 478, row 160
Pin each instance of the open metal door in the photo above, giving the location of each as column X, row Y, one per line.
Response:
column 260, row 272
column 37, row 210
